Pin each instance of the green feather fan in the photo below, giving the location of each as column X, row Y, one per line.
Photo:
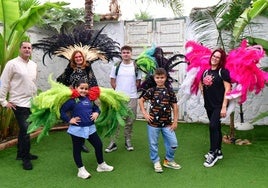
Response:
column 114, row 109
column 45, row 108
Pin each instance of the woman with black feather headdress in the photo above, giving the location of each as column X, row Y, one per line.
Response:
column 81, row 48
column 93, row 46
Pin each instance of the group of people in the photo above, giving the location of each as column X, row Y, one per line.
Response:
column 18, row 86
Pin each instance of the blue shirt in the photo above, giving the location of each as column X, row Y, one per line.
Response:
column 79, row 107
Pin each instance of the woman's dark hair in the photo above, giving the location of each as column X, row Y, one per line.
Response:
column 79, row 82
column 222, row 59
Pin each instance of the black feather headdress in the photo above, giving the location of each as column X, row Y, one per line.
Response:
column 153, row 58
column 93, row 43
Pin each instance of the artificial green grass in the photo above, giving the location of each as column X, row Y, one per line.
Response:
column 242, row 166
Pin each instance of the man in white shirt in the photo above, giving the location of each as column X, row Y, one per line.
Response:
column 126, row 78
column 18, row 86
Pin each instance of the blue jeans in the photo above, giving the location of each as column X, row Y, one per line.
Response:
column 170, row 142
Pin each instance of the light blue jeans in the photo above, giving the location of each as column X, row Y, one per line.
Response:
column 170, row 142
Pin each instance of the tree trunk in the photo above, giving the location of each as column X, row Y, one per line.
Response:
column 89, row 14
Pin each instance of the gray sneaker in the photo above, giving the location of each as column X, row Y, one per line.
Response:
column 128, row 145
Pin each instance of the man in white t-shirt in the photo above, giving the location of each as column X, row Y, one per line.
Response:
column 126, row 78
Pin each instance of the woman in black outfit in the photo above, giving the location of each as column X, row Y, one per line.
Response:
column 215, row 83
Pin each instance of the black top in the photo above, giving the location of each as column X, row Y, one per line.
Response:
column 213, row 87
column 70, row 76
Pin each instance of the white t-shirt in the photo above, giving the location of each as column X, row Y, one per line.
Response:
column 126, row 79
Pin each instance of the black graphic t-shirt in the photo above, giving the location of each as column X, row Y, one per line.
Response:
column 161, row 100
column 213, row 87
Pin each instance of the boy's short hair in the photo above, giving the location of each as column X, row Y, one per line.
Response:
column 160, row 71
column 126, row 47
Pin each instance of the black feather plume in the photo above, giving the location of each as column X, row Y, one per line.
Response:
column 79, row 37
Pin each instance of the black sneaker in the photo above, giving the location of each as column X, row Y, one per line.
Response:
column 27, row 164
column 206, row 155
column 112, row 147
column 211, row 160
column 219, row 154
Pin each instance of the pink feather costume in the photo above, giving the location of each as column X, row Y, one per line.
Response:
column 241, row 62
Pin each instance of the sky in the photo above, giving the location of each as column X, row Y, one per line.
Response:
column 131, row 7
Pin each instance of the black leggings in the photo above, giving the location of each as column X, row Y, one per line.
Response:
column 78, row 142
column 215, row 133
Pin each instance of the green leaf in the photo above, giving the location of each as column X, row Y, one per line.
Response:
column 9, row 11
column 256, row 9
column 32, row 16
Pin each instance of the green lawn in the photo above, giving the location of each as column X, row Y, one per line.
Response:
column 242, row 166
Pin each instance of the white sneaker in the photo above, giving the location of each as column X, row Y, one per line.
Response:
column 158, row 167
column 103, row 167
column 83, row 173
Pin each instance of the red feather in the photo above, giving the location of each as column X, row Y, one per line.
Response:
column 94, row 93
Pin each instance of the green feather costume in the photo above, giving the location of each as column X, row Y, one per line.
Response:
column 46, row 109
column 95, row 45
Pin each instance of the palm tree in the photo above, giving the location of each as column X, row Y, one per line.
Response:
column 175, row 5
column 89, row 14
column 224, row 26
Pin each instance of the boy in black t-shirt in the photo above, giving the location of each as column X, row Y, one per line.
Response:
column 159, row 119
